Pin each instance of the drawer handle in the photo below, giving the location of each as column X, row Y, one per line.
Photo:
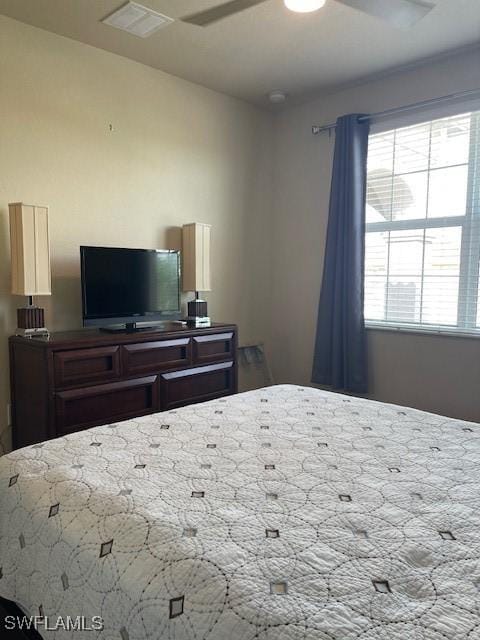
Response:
column 192, row 372
column 214, row 338
column 143, row 346
column 102, row 389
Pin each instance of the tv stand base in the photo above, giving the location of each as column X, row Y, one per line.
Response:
column 133, row 327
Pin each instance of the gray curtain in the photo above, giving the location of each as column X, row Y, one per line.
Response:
column 340, row 358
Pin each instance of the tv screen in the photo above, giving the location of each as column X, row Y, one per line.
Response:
column 129, row 285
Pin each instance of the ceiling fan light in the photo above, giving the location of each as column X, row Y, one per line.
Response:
column 277, row 96
column 304, row 6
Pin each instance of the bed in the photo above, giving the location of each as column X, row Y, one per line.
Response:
column 285, row 513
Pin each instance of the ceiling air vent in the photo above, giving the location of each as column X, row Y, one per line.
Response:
column 137, row 20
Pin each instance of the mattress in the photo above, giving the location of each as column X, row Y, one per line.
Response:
column 285, row 513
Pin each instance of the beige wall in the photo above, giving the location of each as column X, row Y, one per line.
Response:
column 177, row 153
column 440, row 374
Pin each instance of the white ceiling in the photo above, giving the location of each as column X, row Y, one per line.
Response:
column 263, row 48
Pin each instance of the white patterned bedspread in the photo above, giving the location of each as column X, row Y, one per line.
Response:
column 284, row 513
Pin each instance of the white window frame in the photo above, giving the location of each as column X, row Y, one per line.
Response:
column 470, row 244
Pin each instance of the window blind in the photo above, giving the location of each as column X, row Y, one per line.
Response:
column 422, row 251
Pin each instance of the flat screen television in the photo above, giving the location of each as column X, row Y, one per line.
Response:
column 126, row 286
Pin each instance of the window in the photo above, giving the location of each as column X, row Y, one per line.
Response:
column 422, row 245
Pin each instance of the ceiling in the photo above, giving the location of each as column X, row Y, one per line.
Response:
column 263, row 48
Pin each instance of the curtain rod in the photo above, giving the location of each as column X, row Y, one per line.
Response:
column 472, row 93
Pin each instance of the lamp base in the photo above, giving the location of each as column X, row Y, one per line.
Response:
column 39, row 332
column 197, row 308
column 194, row 321
column 31, row 322
column 197, row 313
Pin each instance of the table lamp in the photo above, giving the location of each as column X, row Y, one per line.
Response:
column 196, row 270
column 30, row 257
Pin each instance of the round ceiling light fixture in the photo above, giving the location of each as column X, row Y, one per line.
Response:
column 277, row 96
column 304, row 6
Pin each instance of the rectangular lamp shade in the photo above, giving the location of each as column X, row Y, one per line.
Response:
column 196, row 257
column 30, row 249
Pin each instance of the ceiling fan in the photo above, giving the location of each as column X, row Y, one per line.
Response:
column 399, row 13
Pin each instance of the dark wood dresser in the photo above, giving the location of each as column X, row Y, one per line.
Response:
column 79, row 379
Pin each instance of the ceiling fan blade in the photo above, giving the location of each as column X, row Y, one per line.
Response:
column 399, row 13
column 204, row 18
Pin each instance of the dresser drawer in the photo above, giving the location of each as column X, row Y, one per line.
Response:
column 146, row 357
column 81, row 408
column 196, row 385
column 86, row 365
column 213, row 347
